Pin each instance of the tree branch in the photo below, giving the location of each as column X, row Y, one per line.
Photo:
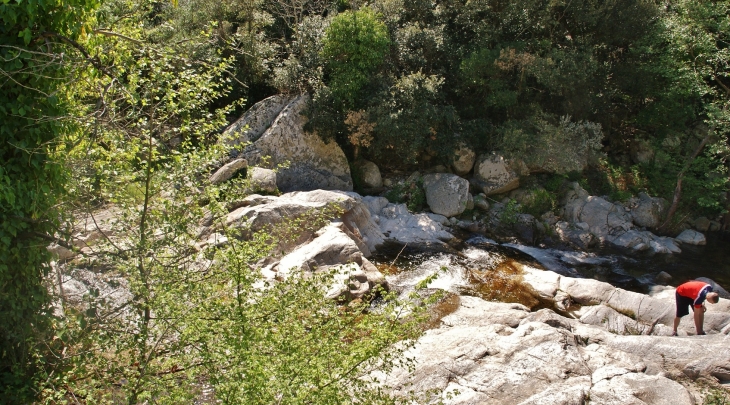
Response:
column 93, row 60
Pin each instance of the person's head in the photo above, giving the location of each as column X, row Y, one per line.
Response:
column 713, row 297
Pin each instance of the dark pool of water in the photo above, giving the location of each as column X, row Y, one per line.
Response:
column 628, row 270
column 711, row 260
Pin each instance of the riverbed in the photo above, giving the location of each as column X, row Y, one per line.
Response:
column 483, row 267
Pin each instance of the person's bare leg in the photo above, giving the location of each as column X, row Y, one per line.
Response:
column 676, row 324
column 699, row 320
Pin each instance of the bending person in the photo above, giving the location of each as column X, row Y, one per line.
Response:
column 693, row 294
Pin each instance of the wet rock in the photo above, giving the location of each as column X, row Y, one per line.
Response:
column 525, row 227
column 574, row 235
column 663, row 278
column 664, row 245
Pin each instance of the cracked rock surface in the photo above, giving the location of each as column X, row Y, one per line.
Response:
column 499, row 353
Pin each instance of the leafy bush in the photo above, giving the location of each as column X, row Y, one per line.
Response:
column 560, row 148
column 410, row 193
column 716, row 396
column 411, row 122
column 554, row 182
column 354, row 46
column 539, row 202
column 36, row 61
column 508, row 216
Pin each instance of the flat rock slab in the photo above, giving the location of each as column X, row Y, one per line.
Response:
column 497, row 353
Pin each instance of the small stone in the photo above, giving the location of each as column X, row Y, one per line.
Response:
column 663, row 277
column 227, row 171
column 702, row 224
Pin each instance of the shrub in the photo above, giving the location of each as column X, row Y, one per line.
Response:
column 559, row 148
column 410, row 193
column 354, row 47
column 539, row 202
column 508, row 216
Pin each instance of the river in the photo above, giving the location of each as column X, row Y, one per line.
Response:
column 483, row 267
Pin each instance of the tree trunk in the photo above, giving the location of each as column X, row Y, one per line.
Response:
column 680, row 178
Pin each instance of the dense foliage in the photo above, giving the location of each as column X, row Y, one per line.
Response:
column 33, row 39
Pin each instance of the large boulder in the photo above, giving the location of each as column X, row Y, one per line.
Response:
column 369, row 174
column 446, row 194
column 262, row 180
column 399, row 225
column 227, row 171
column 334, row 246
column 493, row 175
column 304, row 161
column 614, row 222
column 691, row 237
column 269, row 213
column 641, row 152
column 702, row 224
column 647, row 211
column 255, row 121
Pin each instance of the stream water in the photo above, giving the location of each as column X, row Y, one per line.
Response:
column 485, row 268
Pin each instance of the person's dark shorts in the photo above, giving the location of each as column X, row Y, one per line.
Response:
column 683, row 304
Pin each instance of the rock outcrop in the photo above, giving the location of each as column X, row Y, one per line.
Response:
column 333, row 246
column 262, row 180
column 399, row 225
column 304, row 161
column 647, row 211
column 614, row 222
column 499, row 353
column 615, row 309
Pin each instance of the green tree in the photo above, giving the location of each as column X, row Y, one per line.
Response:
column 699, row 44
column 34, row 37
column 190, row 315
column 354, row 46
